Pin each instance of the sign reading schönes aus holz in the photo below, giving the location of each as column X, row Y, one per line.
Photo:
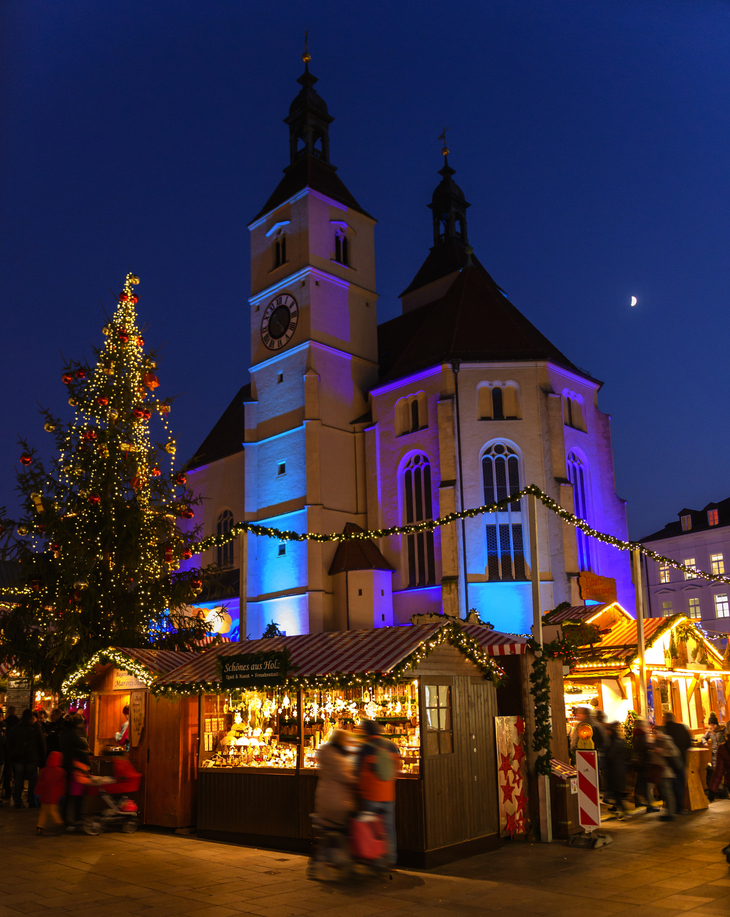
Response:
column 250, row 670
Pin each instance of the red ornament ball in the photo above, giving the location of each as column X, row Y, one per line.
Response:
column 147, row 413
column 123, row 297
column 155, row 472
column 196, row 583
column 181, row 479
column 150, row 380
column 81, row 374
column 26, row 458
column 90, row 434
column 103, row 400
column 140, row 342
column 187, row 554
column 138, row 412
column 123, row 337
column 95, row 499
column 67, row 378
column 187, row 514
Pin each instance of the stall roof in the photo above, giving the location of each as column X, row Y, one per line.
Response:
column 146, row 664
column 583, row 613
column 620, row 644
column 354, row 652
column 496, row 643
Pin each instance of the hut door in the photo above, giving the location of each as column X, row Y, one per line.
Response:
column 162, row 781
column 481, row 771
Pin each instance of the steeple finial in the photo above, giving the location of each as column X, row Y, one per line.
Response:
column 308, row 118
column 306, row 57
column 448, row 204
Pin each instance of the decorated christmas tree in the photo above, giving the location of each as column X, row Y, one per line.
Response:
column 99, row 544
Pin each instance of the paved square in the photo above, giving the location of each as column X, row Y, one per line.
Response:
column 657, row 869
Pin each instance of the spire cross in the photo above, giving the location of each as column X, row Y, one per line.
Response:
column 442, row 136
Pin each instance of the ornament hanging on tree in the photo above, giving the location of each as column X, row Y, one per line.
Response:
column 94, row 499
column 80, row 374
column 171, row 447
column 67, row 378
column 26, row 458
column 49, row 427
column 103, row 400
column 151, row 381
column 181, row 479
column 155, row 472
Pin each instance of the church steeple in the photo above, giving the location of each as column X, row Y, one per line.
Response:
column 308, row 120
column 449, row 207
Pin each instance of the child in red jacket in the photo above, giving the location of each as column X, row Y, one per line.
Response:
column 51, row 786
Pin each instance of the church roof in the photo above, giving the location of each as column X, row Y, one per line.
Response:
column 474, row 322
column 226, row 437
column 357, row 555
column 310, row 172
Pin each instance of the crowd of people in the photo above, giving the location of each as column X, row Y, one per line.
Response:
column 44, row 760
column 658, row 757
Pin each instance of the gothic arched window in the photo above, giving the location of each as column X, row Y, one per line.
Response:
column 505, row 540
column 578, row 477
column 416, row 506
column 223, row 527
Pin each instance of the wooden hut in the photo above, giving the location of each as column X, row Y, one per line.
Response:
column 163, row 732
column 265, row 706
column 685, row 673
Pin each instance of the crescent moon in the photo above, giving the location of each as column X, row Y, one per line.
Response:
column 634, row 300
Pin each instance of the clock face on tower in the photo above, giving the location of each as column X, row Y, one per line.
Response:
column 280, row 321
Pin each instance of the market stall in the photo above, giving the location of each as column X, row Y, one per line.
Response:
column 685, row 673
column 159, row 736
column 267, row 705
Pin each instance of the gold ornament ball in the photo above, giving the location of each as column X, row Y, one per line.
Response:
column 22, row 530
column 49, row 427
column 106, row 329
column 113, row 414
column 81, row 584
column 73, row 402
column 133, row 279
column 171, row 447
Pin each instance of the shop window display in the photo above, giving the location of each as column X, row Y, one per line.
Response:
column 260, row 728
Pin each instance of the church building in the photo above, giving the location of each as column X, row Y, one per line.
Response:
column 457, row 402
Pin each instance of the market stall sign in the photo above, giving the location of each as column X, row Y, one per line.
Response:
column 125, row 681
column 597, row 588
column 249, row 670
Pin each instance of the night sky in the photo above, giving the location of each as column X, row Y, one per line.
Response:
column 591, row 139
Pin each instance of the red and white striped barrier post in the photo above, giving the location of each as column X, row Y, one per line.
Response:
column 589, row 803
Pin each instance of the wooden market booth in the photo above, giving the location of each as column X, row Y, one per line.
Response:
column 429, row 687
column 163, row 733
column 684, row 673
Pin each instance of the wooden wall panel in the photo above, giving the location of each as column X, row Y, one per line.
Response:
column 248, row 803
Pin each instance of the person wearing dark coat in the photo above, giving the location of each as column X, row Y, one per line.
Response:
column 682, row 738
column 10, row 720
column 53, row 728
column 75, row 750
column 615, row 764
column 26, row 749
column 640, row 762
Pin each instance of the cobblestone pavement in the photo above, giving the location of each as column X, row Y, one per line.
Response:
column 657, row 869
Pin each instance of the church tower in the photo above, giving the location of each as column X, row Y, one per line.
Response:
column 313, row 359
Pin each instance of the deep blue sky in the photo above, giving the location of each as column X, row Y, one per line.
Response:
column 591, row 139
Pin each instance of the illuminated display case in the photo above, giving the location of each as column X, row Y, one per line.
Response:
column 266, row 729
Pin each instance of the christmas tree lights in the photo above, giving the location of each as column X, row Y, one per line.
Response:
column 100, row 542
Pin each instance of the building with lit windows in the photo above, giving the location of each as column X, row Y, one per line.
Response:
column 457, row 402
column 698, row 538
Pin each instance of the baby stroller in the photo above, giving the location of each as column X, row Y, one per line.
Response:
column 119, row 808
column 338, row 850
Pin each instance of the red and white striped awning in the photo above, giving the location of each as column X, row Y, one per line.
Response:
column 496, row 643
column 351, row 652
column 158, row 662
column 209, row 639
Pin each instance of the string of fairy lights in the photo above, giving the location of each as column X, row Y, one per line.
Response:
column 265, row 531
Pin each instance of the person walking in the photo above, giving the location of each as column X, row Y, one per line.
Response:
column 378, row 766
column 76, row 756
column 682, row 738
column 11, row 720
column 713, row 738
column 51, row 787
column 640, row 763
column 334, row 798
column 26, row 749
column 615, row 763
column 661, row 772
column 2, row 751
